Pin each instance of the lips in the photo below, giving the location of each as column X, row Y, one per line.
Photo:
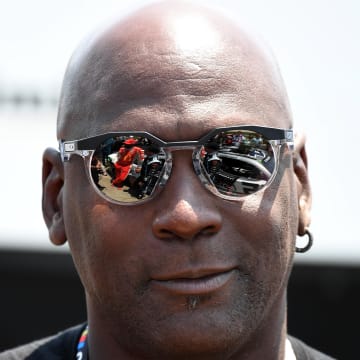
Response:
column 195, row 282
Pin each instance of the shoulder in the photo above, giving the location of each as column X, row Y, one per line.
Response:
column 305, row 352
column 58, row 347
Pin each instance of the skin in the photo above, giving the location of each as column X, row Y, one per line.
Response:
column 151, row 72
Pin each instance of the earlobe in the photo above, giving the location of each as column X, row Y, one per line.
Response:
column 52, row 181
column 303, row 184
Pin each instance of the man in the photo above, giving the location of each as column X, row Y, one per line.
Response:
column 194, row 270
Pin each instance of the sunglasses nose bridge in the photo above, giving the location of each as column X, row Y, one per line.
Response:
column 193, row 151
column 183, row 165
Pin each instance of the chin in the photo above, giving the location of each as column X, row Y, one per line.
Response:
column 200, row 333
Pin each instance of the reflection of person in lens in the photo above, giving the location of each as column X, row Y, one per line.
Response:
column 269, row 160
column 212, row 164
column 150, row 171
column 187, row 274
column 96, row 170
column 210, row 148
column 151, row 174
column 129, row 157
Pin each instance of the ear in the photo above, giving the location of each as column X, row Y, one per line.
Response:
column 52, row 181
column 303, row 185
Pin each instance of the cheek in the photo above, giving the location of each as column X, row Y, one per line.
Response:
column 103, row 239
column 103, row 250
column 279, row 210
column 266, row 225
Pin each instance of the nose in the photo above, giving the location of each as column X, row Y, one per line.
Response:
column 186, row 210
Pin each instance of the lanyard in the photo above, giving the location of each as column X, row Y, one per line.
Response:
column 82, row 349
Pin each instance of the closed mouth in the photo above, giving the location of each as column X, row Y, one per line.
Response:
column 195, row 283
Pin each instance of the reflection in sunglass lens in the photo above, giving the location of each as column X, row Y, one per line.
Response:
column 238, row 162
column 127, row 168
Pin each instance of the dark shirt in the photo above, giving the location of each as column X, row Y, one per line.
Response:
column 58, row 347
column 305, row 352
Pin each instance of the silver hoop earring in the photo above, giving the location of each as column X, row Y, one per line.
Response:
column 309, row 243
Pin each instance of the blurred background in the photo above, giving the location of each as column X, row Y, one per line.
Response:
column 317, row 45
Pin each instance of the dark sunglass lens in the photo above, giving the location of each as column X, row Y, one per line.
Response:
column 238, row 162
column 127, row 168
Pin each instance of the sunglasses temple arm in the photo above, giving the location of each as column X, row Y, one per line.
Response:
column 69, row 148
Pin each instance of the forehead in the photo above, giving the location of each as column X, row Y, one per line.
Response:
column 173, row 86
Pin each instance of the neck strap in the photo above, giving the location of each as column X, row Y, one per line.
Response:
column 82, row 348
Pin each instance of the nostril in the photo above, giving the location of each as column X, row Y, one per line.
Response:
column 184, row 222
column 171, row 235
column 212, row 229
column 164, row 234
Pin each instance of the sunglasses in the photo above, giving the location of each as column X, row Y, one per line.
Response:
column 131, row 167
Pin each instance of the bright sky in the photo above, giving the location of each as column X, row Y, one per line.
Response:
column 315, row 41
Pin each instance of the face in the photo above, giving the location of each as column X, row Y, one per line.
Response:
column 187, row 273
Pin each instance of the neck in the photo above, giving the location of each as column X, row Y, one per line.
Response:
column 268, row 342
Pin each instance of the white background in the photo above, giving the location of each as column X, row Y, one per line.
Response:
column 315, row 41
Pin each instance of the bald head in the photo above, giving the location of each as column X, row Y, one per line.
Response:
column 174, row 58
